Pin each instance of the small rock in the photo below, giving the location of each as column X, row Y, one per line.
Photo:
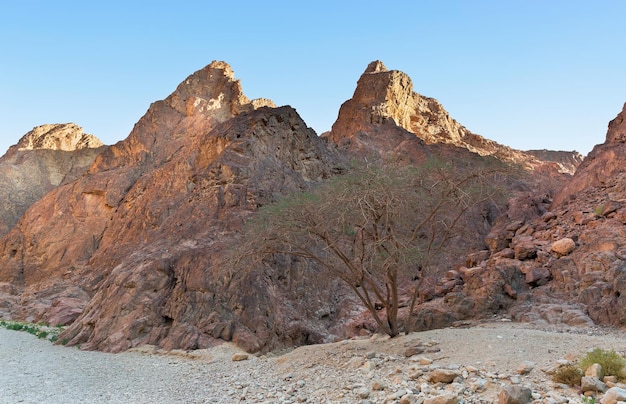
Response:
column 238, row 357
column 443, row 376
column 409, row 399
column 515, row 395
column 595, row 371
column 378, row 386
column 446, row 398
column 423, row 361
column 563, row 246
column 614, row 395
column 588, row 383
column 413, row 350
column 362, row 392
column 525, row 368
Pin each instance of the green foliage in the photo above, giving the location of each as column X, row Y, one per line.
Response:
column 598, row 211
column 375, row 227
column 568, row 374
column 588, row 400
column 40, row 330
column 612, row 363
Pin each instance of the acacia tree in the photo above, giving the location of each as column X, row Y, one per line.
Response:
column 374, row 228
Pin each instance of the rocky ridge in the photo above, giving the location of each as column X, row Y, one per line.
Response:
column 44, row 158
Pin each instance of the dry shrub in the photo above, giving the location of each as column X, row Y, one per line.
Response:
column 570, row 374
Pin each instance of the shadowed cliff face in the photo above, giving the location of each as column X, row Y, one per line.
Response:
column 44, row 158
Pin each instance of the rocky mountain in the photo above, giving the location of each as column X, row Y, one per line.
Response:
column 554, row 260
column 44, row 158
column 131, row 252
column 386, row 97
column 126, row 253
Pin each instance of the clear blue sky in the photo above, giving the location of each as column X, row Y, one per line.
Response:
column 528, row 74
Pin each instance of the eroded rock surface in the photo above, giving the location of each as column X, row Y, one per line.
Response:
column 134, row 241
column 44, row 158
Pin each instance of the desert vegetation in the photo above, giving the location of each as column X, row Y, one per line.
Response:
column 40, row 330
column 611, row 362
column 378, row 228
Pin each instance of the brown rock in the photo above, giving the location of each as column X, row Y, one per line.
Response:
column 513, row 394
column 563, row 246
column 122, row 232
column 442, row 376
column 386, row 96
column 238, row 357
column 538, row 276
column 524, row 247
column 446, row 398
column 65, row 137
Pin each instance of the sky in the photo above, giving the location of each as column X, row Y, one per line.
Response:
column 527, row 74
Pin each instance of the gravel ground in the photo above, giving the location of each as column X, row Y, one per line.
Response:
column 372, row 370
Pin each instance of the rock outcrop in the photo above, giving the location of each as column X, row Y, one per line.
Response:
column 66, row 137
column 561, row 260
column 385, row 97
column 43, row 159
column 128, row 252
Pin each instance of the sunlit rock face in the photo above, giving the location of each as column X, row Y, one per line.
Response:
column 66, row 137
column 44, row 158
column 386, row 98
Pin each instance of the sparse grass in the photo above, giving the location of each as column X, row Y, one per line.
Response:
column 40, row 330
column 568, row 374
column 612, row 363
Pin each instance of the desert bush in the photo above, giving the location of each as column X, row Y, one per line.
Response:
column 375, row 228
column 570, row 374
column 612, row 363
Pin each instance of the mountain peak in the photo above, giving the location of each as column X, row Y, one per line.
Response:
column 65, row 137
column 213, row 89
column 375, row 67
column 617, row 128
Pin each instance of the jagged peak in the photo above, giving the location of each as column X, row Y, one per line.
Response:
column 65, row 137
column 386, row 97
column 375, row 67
column 213, row 89
column 617, row 128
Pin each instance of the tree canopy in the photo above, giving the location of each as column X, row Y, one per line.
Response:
column 375, row 228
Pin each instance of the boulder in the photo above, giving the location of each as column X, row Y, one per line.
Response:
column 514, row 394
column 443, row 376
column 614, row 395
column 563, row 246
